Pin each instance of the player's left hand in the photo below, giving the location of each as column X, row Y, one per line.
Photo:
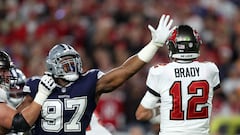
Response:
column 160, row 35
column 45, row 88
column 46, row 84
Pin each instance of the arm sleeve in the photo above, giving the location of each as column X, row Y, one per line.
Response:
column 19, row 124
column 216, row 78
column 149, row 100
column 152, row 79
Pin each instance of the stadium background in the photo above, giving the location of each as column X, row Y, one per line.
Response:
column 106, row 32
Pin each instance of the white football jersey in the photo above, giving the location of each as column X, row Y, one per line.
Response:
column 186, row 93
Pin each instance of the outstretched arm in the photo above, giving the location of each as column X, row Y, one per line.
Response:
column 117, row 76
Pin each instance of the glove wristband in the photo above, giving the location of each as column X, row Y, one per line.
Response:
column 40, row 98
column 147, row 53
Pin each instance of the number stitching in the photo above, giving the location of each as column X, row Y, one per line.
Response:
column 176, row 113
column 70, row 104
column 57, row 118
column 193, row 113
column 50, row 121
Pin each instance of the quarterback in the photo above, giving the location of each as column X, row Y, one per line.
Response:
column 184, row 86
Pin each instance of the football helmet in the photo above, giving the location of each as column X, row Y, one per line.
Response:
column 5, row 75
column 64, row 62
column 184, row 43
column 15, row 94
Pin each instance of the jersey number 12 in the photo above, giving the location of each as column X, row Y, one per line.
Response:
column 192, row 113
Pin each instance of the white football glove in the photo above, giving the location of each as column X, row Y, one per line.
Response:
column 45, row 88
column 160, row 35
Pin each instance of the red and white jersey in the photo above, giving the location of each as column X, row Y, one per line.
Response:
column 96, row 128
column 186, row 93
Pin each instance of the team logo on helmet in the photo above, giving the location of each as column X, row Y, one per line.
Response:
column 184, row 43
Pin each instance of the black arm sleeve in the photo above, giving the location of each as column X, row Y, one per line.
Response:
column 19, row 124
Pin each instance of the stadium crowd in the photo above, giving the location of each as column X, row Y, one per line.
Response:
column 106, row 32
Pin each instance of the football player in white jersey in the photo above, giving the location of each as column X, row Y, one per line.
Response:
column 185, row 87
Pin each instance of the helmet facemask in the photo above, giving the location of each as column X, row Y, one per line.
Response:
column 15, row 94
column 68, row 68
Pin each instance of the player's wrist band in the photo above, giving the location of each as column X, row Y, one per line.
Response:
column 147, row 53
column 40, row 98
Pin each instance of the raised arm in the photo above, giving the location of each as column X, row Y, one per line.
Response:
column 30, row 114
column 117, row 76
column 22, row 121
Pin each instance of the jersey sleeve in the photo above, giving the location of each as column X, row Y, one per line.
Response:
column 215, row 75
column 153, row 78
column 31, row 86
column 93, row 71
column 149, row 100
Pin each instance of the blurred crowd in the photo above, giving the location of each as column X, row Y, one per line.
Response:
column 107, row 32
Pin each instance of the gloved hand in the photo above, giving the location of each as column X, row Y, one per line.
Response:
column 45, row 88
column 46, row 84
column 160, row 35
